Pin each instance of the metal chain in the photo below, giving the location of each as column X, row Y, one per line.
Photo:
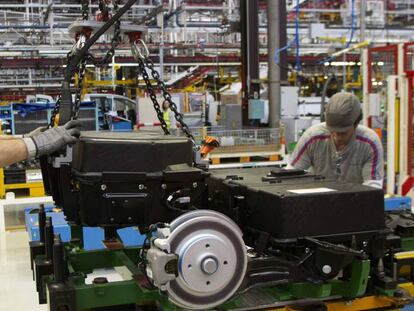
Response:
column 167, row 96
column 85, row 10
column 81, row 74
column 54, row 113
column 116, row 39
column 103, row 8
column 153, row 96
column 81, row 70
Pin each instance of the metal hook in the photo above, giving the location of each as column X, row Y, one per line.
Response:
column 78, row 45
column 136, row 50
column 81, row 41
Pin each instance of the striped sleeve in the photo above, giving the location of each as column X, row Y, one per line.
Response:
column 373, row 168
column 302, row 157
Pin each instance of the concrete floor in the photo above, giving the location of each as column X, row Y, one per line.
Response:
column 17, row 288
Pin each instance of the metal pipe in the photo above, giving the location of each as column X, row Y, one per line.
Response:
column 161, row 49
column 323, row 99
column 253, row 76
column 364, row 65
column 273, row 38
column 249, row 55
column 351, row 48
column 363, row 10
column 344, row 71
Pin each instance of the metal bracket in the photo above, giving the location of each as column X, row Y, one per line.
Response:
column 63, row 159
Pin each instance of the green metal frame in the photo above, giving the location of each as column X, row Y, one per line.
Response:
column 130, row 292
column 407, row 244
column 81, row 263
column 88, row 296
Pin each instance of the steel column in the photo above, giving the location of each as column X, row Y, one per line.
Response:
column 249, row 54
column 276, row 37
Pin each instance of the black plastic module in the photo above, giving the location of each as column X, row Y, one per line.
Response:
column 298, row 205
column 98, row 152
column 123, row 179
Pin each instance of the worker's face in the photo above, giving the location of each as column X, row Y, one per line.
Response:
column 165, row 105
column 342, row 139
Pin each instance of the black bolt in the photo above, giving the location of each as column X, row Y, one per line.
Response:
column 398, row 293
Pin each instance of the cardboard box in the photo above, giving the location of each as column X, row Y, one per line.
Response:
column 230, row 98
column 231, row 117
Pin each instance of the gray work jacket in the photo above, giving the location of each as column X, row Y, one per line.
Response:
column 360, row 162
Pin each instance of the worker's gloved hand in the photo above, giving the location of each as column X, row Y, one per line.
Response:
column 36, row 131
column 54, row 138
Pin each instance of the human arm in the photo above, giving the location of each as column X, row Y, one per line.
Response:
column 301, row 155
column 49, row 141
column 12, row 151
column 373, row 168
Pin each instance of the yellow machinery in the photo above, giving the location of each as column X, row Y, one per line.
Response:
column 366, row 303
column 35, row 189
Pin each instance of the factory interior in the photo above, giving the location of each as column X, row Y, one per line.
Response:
column 228, row 155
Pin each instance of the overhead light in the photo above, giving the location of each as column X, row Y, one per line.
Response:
column 339, row 63
column 326, row 63
column 53, row 52
column 10, row 53
column 380, row 63
column 126, row 64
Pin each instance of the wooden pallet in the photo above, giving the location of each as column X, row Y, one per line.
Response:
column 244, row 157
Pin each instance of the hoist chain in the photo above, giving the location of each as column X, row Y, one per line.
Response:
column 104, row 9
column 85, row 10
column 116, row 39
column 167, row 96
column 153, row 96
column 81, row 70
column 81, row 74
column 55, row 111
column 141, row 54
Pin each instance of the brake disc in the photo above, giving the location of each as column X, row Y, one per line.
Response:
column 212, row 259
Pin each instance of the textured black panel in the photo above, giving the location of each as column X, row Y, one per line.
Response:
column 129, row 152
column 119, row 178
column 274, row 206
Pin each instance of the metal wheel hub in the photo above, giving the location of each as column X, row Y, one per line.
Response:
column 206, row 262
column 209, row 254
column 212, row 259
